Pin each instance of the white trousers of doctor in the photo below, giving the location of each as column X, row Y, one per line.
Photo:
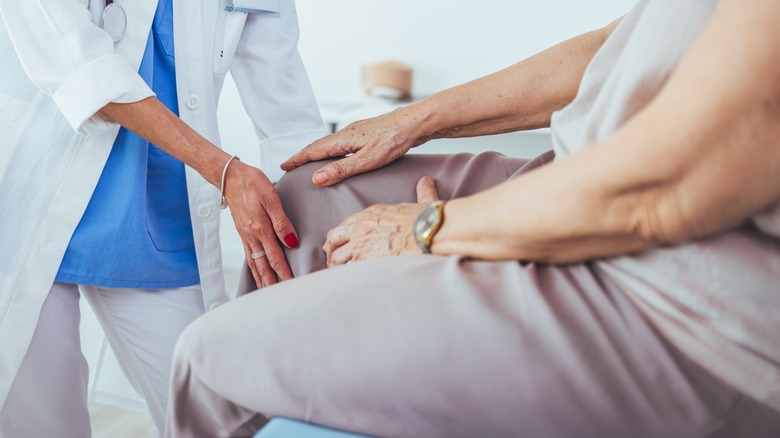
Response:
column 48, row 397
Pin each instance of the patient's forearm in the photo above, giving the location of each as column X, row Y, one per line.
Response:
column 560, row 213
column 520, row 97
column 712, row 161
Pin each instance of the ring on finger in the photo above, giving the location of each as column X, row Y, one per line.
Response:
column 257, row 255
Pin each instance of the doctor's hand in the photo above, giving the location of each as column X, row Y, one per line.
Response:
column 260, row 221
column 372, row 144
column 379, row 230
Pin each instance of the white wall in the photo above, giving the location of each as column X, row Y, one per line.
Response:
column 447, row 42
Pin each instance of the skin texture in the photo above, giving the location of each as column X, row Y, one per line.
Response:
column 254, row 203
column 714, row 143
column 379, row 229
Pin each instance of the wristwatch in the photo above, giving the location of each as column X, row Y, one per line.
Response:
column 428, row 224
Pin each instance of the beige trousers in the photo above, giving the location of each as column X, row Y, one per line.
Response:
column 48, row 397
column 427, row 346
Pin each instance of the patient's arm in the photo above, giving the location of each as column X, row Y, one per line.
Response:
column 702, row 157
column 520, row 97
column 712, row 161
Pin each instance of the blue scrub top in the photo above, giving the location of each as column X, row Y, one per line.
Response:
column 136, row 231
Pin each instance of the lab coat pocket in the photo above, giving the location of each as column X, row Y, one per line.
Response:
column 256, row 6
column 229, row 29
column 12, row 112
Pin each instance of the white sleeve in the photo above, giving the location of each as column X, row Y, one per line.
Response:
column 71, row 59
column 274, row 86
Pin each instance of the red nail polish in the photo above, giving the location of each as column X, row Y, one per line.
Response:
column 291, row 240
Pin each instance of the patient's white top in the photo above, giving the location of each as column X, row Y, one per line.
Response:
column 717, row 299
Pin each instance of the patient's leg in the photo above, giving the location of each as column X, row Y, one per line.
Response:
column 315, row 211
column 440, row 346
column 428, row 346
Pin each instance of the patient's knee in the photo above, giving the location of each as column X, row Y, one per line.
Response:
column 302, row 174
column 297, row 182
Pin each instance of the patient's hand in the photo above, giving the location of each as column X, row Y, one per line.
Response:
column 379, row 231
column 373, row 143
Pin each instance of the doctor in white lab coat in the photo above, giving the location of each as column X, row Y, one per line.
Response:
column 65, row 89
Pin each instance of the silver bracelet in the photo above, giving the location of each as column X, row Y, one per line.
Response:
column 222, row 202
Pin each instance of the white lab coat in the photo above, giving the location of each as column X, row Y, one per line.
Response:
column 58, row 69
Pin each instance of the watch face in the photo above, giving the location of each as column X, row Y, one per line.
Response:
column 426, row 220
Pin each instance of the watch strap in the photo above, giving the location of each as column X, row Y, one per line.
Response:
column 425, row 237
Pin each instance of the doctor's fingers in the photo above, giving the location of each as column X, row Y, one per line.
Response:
column 252, row 265
column 259, row 236
column 267, row 263
column 274, row 264
column 264, row 270
column 282, row 226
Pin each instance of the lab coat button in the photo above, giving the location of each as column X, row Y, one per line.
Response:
column 204, row 211
column 193, row 103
